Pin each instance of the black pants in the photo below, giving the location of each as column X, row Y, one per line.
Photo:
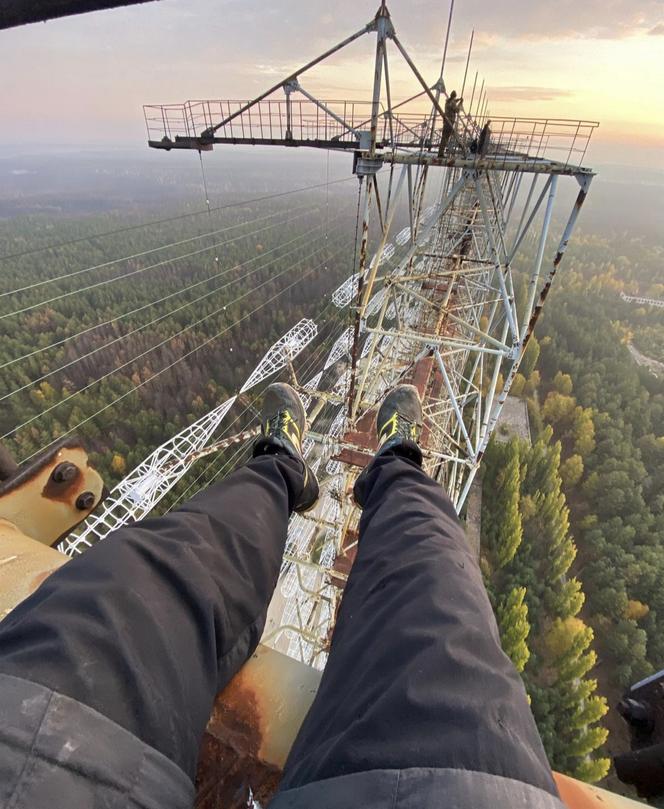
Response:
column 150, row 624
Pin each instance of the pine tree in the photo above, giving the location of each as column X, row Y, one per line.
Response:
column 591, row 770
column 530, row 357
column 514, row 627
column 501, row 514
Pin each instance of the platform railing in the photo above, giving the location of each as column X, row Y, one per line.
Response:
column 336, row 124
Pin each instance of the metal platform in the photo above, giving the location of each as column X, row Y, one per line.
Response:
column 402, row 136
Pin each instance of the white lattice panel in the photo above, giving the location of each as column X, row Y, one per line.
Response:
column 345, row 293
column 282, row 352
column 402, row 237
column 140, row 491
column 341, row 347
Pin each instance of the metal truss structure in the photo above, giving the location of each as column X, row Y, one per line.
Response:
column 435, row 305
column 642, row 301
column 145, row 486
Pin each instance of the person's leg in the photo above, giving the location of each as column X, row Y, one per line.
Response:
column 147, row 626
column 444, row 139
column 416, row 676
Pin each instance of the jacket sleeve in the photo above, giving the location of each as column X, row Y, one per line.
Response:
column 56, row 752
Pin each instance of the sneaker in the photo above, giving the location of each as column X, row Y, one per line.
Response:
column 399, row 423
column 283, row 422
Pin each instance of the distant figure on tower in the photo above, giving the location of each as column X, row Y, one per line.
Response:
column 485, row 137
column 452, row 107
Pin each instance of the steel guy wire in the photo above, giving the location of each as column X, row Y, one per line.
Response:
column 162, row 370
column 172, row 364
column 219, row 459
column 156, row 302
column 132, row 273
column 225, row 463
column 157, row 319
column 168, row 219
column 152, row 348
column 142, row 253
column 304, row 371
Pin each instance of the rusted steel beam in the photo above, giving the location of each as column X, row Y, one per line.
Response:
column 497, row 163
column 251, row 730
column 49, row 496
column 22, row 12
column 353, row 457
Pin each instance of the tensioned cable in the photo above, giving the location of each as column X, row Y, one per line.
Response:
column 303, row 372
column 224, row 463
column 207, row 197
column 131, row 273
column 142, row 253
column 156, row 302
column 149, row 350
column 215, row 460
column 160, row 318
column 225, row 466
column 177, row 218
column 219, row 459
column 175, row 362
column 167, row 367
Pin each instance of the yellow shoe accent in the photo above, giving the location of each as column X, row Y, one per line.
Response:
column 393, row 421
column 292, row 430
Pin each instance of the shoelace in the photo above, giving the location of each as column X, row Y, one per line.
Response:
column 402, row 427
column 277, row 423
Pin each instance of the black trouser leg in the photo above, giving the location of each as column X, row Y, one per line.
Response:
column 416, row 676
column 148, row 625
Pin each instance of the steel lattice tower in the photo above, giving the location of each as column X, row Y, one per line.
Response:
column 434, row 304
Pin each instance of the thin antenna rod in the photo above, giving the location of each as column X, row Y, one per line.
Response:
column 470, row 49
column 472, row 97
column 486, row 106
column 480, row 106
column 479, row 98
column 447, row 38
column 441, row 81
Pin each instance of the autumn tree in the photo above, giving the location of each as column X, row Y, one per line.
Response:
column 512, row 615
column 500, row 509
column 571, row 471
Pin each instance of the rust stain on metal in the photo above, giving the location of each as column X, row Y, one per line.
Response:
column 236, row 714
column 353, row 457
column 230, row 766
column 344, row 560
column 360, row 296
column 45, row 508
column 64, row 491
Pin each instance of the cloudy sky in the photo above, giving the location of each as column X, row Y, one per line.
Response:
column 83, row 80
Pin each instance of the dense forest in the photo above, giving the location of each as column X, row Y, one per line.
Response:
column 573, row 527
column 127, row 352
column 126, row 338
column 527, row 556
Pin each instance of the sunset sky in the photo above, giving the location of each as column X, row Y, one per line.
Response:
column 83, row 80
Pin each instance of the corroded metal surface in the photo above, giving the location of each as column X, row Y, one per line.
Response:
column 577, row 795
column 252, row 727
column 45, row 506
